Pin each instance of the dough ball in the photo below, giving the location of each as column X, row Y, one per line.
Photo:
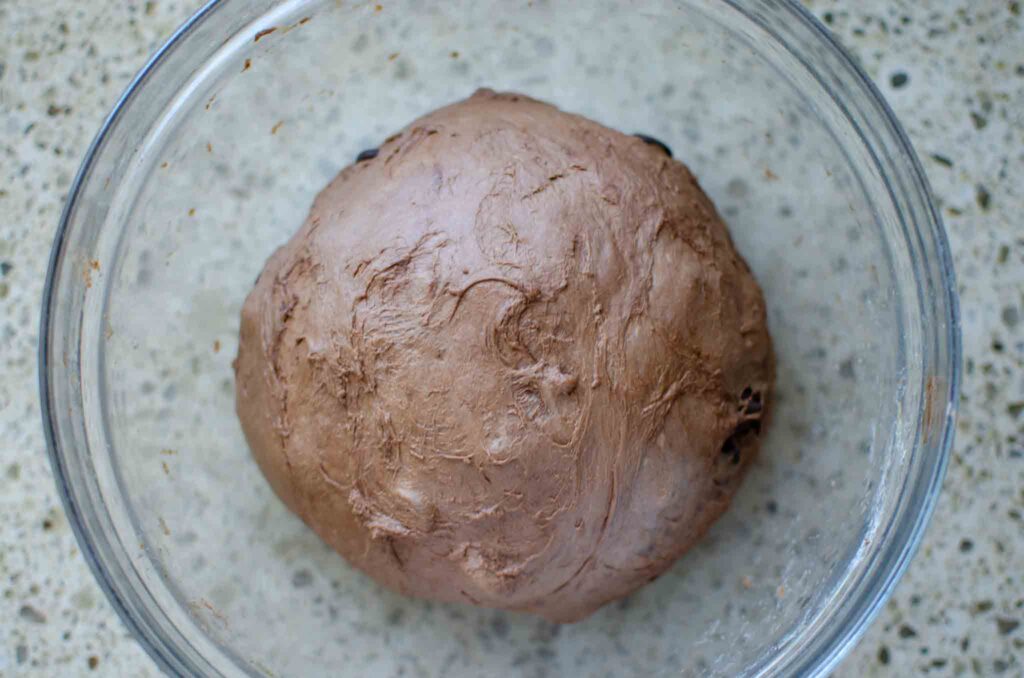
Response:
column 513, row 360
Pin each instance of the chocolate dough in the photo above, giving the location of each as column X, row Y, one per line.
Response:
column 513, row 360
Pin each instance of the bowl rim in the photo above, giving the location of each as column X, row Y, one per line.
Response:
column 826, row 651
column 831, row 649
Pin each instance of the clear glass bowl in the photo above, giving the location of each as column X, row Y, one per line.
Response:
column 212, row 158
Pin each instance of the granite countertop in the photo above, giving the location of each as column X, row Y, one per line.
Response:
column 952, row 70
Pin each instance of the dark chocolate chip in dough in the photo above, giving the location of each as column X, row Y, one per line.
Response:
column 368, row 154
column 654, row 142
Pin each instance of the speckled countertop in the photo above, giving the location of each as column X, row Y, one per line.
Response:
column 953, row 71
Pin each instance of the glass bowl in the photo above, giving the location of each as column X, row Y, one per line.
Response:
column 212, row 158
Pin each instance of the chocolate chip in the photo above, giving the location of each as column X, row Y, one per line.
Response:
column 746, row 426
column 368, row 154
column 731, row 449
column 654, row 142
column 751, row 405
